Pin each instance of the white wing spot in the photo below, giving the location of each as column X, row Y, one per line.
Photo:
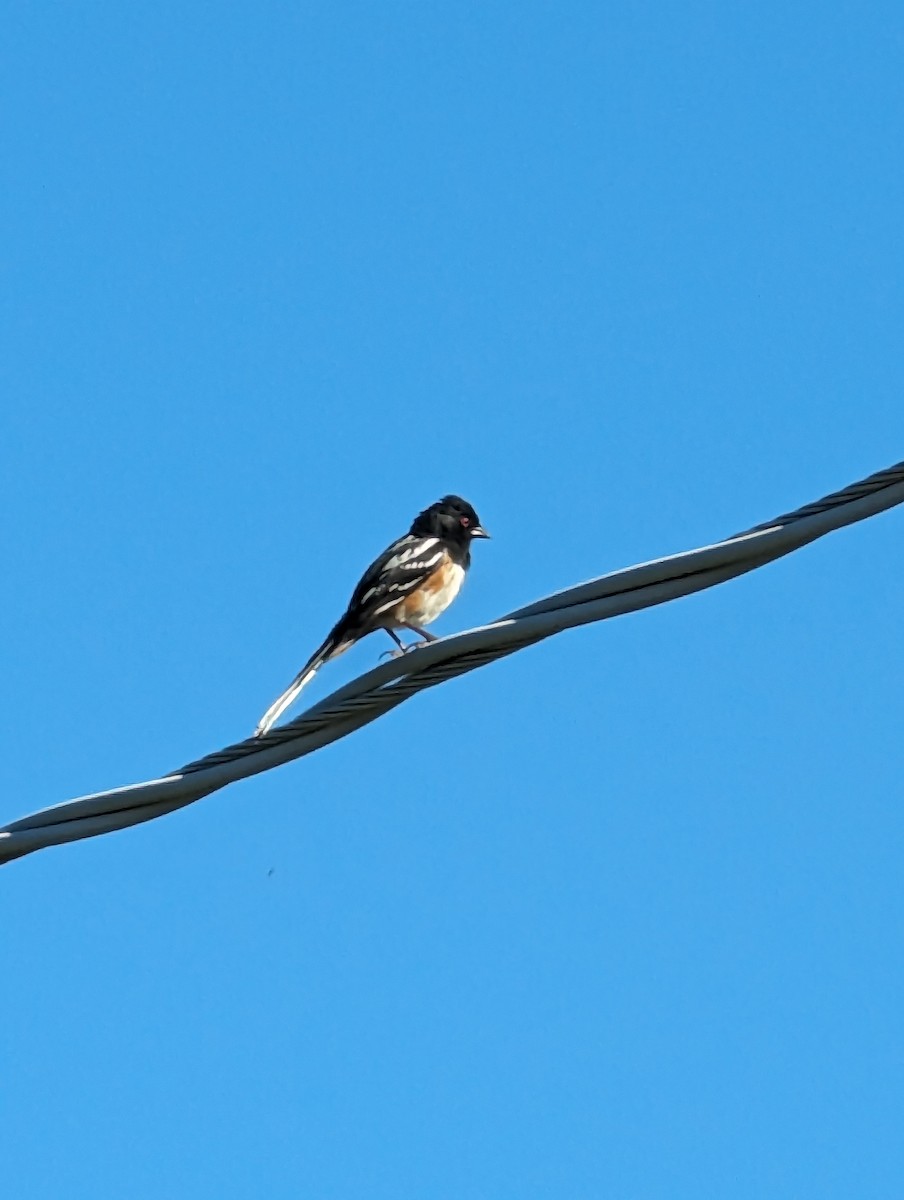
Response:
column 404, row 557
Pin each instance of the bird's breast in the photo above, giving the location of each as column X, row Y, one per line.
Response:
column 434, row 595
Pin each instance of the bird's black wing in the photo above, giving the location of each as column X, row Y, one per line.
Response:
column 401, row 568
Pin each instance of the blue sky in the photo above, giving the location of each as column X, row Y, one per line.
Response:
column 618, row 916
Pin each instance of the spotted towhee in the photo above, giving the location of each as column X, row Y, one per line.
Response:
column 409, row 585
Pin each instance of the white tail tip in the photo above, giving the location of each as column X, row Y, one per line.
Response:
column 279, row 706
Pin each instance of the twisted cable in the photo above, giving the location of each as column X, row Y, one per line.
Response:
column 380, row 690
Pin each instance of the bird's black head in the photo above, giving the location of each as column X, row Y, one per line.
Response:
column 451, row 518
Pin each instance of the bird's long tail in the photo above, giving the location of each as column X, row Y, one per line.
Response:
column 337, row 642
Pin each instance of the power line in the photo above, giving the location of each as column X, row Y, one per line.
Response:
column 390, row 684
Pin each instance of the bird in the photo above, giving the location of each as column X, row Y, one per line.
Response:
column 414, row 580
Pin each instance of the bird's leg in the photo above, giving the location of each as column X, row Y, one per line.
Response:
column 428, row 637
column 402, row 648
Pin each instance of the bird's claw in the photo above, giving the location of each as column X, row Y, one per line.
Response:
column 402, row 650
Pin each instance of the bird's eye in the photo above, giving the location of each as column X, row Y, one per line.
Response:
column 466, row 521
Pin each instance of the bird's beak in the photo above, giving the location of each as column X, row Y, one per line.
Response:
column 479, row 532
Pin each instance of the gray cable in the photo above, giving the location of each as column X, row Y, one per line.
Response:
column 381, row 689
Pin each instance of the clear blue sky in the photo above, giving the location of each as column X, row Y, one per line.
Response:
column 620, row 916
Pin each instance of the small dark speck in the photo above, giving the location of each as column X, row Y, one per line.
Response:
column 270, row 872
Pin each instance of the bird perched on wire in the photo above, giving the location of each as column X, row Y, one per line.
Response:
column 407, row 587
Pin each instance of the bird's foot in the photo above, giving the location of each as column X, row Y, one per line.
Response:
column 402, row 651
